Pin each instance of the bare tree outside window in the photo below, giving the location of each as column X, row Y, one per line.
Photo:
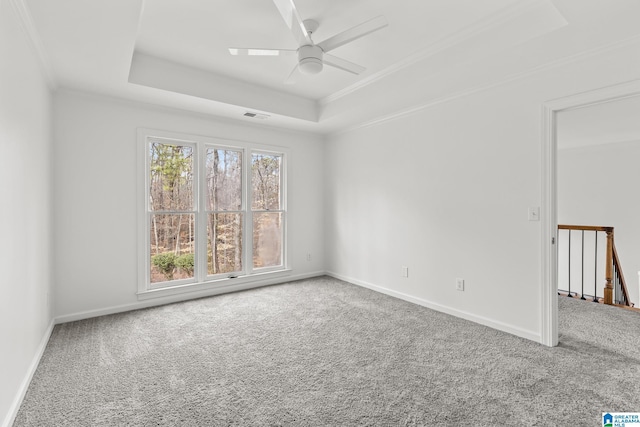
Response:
column 224, row 206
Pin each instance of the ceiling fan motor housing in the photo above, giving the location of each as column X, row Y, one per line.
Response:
column 310, row 59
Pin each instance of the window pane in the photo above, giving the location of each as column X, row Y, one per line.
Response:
column 224, row 180
column 224, row 248
column 170, row 177
column 265, row 181
column 172, row 248
column 267, row 239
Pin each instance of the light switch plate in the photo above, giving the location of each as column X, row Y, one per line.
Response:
column 534, row 214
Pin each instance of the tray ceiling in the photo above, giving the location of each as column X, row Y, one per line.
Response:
column 176, row 53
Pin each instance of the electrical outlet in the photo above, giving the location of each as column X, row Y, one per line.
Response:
column 405, row 271
column 460, row 284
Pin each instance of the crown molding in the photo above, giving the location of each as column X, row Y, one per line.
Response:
column 24, row 16
column 441, row 45
column 513, row 77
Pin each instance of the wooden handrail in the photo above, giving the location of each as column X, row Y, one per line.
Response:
column 612, row 258
column 584, row 227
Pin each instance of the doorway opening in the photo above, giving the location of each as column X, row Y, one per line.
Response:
column 552, row 110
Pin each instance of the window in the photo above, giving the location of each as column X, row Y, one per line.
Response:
column 266, row 208
column 172, row 213
column 210, row 211
column 225, row 213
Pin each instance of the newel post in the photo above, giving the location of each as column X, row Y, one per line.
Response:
column 608, row 288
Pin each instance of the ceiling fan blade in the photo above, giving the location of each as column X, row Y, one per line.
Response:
column 343, row 64
column 293, row 76
column 293, row 20
column 353, row 33
column 241, row 51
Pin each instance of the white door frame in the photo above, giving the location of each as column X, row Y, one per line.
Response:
column 549, row 217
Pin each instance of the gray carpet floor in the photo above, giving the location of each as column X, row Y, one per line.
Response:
column 321, row 352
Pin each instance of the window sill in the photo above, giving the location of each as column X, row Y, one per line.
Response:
column 218, row 286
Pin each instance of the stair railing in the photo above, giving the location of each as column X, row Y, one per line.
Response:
column 620, row 292
column 615, row 288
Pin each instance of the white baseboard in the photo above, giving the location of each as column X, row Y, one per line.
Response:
column 22, row 391
column 180, row 297
column 523, row 333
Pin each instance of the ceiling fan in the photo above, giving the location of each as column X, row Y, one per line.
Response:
column 312, row 56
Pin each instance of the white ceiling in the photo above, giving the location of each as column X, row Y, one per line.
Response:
column 174, row 53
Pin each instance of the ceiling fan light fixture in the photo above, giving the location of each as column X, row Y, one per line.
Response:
column 310, row 65
column 310, row 59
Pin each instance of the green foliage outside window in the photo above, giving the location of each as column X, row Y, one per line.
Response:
column 185, row 263
column 166, row 263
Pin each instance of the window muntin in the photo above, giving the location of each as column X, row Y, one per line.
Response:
column 204, row 219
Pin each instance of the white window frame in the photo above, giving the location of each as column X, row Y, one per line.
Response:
column 282, row 210
column 202, row 281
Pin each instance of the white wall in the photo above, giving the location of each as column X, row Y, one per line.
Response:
column 95, row 181
column 598, row 185
column 25, row 210
column 445, row 191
